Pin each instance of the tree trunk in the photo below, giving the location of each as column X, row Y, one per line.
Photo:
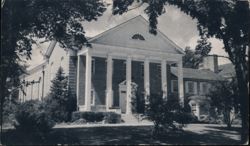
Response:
column 2, row 98
column 241, row 74
column 227, row 118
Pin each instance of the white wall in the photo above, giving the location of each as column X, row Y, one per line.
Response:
column 59, row 57
column 33, row 91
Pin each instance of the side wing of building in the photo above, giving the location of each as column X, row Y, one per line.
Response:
column 37, row 81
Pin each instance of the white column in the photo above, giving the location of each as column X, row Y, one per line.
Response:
column 128, row 83
column 164, row 78
column 180, row 83
column 88, row 81
column 78, row 79
column 109, row 91
column 146, row 80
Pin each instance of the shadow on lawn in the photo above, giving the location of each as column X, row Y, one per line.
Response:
column 122, row 135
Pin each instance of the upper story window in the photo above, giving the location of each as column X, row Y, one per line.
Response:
column 138, row 37
column 174, row 86
column 191, row 87
column 204, row 87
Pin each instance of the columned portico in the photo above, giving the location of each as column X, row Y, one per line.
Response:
column 113, row 54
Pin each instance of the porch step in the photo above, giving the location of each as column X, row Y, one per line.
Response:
column 132, row 119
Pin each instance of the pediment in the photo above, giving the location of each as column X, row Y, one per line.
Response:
column 134, row 33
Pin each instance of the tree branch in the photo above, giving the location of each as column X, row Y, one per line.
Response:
column 220, row 56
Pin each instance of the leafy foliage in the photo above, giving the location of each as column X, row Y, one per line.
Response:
column 228, row 21
column 137, row 101
column 167, row 114
column 9, row 110
column 26, row 20
column 112, row 117
column 225, row 98
column 32, row 117
column 60, row 102
column 192, row 59
column 107, row 117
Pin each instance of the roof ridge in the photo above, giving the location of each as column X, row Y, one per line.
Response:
column 110, row 29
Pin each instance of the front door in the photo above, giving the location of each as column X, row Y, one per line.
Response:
column 123, row 95
column 123, row 100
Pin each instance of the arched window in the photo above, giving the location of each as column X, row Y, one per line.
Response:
column 138, row 37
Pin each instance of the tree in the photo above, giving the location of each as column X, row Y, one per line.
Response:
column 225, row 98
column 192, row 59
column 25, row 20
column 227, row 20
column 59, row 20
column 167, row 115
column 60, row 102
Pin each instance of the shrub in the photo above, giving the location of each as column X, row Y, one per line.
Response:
column 108, row 117
column 167, row 114
column 111, row 117
column 31, row 117
column 88, row 116
column 9, row 110
column 60, row 102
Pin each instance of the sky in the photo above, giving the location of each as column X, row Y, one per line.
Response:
column 179, row 27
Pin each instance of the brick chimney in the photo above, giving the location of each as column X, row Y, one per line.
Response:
column 210, row 62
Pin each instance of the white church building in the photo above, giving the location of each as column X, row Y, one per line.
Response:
column 101, row 75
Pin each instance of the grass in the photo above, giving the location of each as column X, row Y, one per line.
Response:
column 192, row 134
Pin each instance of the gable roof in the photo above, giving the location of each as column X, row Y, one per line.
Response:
column 121, row 35
column 190, row 73
column 50, row 49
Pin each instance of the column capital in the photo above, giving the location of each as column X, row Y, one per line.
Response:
column 109, row 55
column 89, row 52
column 146, row 58
column 129, row 57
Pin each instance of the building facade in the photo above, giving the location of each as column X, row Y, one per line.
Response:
column 102, row 75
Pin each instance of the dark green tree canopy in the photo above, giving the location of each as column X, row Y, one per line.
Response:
column 23, row 21
column 193, row 58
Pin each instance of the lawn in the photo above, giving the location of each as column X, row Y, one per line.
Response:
column 192, row 134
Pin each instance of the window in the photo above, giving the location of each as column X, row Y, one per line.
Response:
column 138, row 37
column 92, row 102
column 174, row 86
column 159, row 68
column 194, row 108
column 191, row 87
column 204, row 87
column 93, row 66
column 142, row 70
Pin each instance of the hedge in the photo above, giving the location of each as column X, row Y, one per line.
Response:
column 107, row 117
